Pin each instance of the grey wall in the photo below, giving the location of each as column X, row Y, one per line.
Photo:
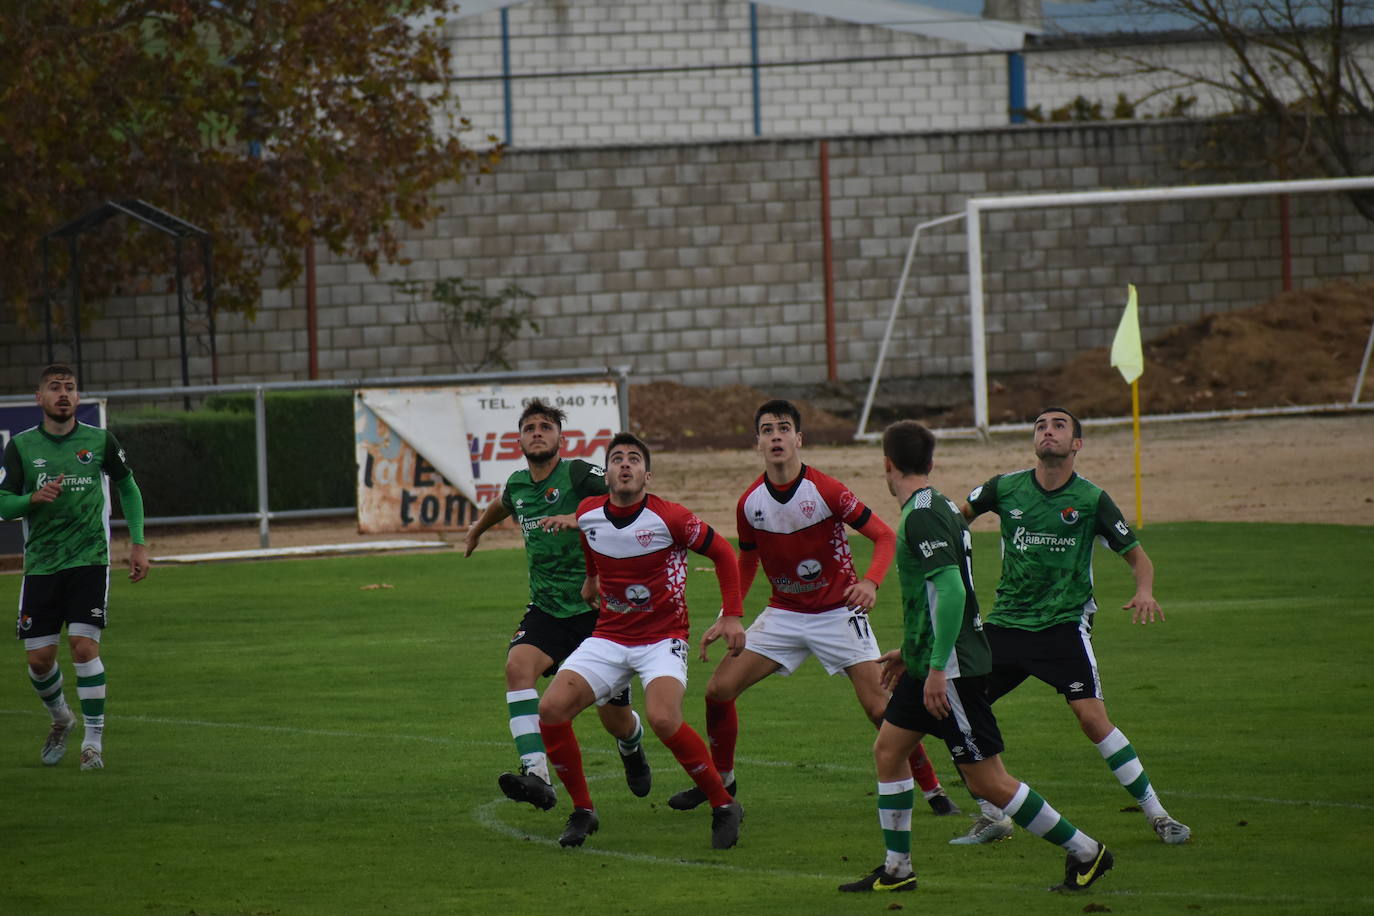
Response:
column 701, row 263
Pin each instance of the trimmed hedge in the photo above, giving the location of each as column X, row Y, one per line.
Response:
column 204, row 462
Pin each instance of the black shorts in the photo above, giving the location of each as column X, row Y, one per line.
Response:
column 970, row 730
column 556, row 637
column 1061, row 656
column 80, row 594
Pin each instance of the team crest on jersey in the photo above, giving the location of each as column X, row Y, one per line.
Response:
column 808, row 507
column 645, row 536
column 551, row 495
column 808, row 570
column 84, row 456
column 1069, row 515
column 637, row 595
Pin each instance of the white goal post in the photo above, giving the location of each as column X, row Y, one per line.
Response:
column 972, row 216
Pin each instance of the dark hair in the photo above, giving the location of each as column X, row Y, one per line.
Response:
column 537, row 406
column 53, row 371
column 632, row 440
column 779, row 408
column 1077, row 427
column 909, row 446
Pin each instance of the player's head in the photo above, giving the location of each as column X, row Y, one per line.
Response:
column 627, row 468
column 57, row 394
column 1058, row 434
column 910, row 447
column 777, row 431
column 541, row 431
column 778, row 409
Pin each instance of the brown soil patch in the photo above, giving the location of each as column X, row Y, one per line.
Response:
column 1301, row 347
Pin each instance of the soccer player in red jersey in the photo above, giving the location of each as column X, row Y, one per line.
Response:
column 636, row 547
column 792, row 520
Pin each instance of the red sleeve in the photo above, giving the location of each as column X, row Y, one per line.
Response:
column 884, row 547
column 587, row 555
column 723, row 555
column 748, row 566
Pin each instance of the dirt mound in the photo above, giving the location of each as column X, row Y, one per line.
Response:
column 1301, row 347
column 682, row 417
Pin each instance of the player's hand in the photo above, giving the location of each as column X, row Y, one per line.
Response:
column 1144, row 608
column 138, row 562
column 48, row 492
column 892, row 668
column 935, row 698
column 552, row 523
column 590, row 587
column 471, row 539
column 861, row 596
column 728, row 628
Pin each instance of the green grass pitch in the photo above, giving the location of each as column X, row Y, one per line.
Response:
column 282, row 741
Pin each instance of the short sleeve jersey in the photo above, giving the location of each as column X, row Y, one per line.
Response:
column 1047, row 547
column 933, row 536
column 800, row 536
column 556, row 565
column 640, row 558
column 74, row 529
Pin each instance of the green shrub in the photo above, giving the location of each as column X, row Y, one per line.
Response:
column 205, row 462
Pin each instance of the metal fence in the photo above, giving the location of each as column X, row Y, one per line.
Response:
column 264, row 514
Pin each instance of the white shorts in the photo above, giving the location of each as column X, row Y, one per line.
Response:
column 838, row 638
column 608, row 666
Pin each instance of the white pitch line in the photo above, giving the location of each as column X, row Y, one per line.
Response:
column 756, row 762
column 484, row 814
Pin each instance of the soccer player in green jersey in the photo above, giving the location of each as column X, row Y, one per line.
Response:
column 940, row 675
column 56, row 478
column 1041, row 623
column 557, row 617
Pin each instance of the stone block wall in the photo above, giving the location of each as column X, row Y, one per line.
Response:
column 702, row 263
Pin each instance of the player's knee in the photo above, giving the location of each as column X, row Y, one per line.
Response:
column 664, row 724
column 84, row 650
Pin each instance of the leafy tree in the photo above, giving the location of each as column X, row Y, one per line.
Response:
column 1299, row 75
column 271, row 124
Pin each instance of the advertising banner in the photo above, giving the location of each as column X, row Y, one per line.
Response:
column 431, row 459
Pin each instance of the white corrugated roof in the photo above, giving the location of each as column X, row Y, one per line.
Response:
column 918, row 19
column 898, row 15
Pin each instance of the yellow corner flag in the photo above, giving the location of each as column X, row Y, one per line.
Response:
column 1129, row 358
column 1127, row 354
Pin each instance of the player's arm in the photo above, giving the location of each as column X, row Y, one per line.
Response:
column 1143, row 605
column 748, row 550
column 728, row 626
column 947, row 615
column 14, row 502
column 591, row 582
column 1112, row 528
column 495, row 512
column 861, row 596
column 130, row 503
column 982, row 499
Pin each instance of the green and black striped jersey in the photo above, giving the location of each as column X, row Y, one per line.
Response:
column 1047, row 546
column 932, row 536
column 556, row 563
column 74, row 529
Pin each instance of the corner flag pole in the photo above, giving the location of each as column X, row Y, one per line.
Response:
column 1128, row 356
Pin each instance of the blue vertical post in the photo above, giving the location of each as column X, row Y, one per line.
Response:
column 505, row 72
column 754, row 66
column 1016, row 86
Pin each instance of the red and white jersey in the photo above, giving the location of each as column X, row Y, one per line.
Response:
column 640, row 557
column 800, row 538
